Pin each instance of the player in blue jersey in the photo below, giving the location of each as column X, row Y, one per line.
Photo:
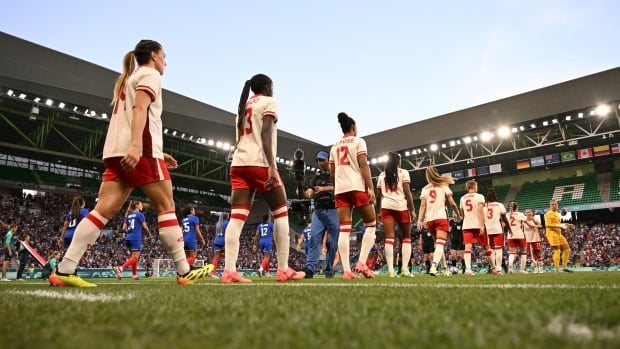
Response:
column 191, row 231
column 72, row 219
column 133, row 226
column 220, row 241
column 263, row 242
column 304, row 238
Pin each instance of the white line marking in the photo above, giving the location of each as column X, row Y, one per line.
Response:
column 75, row 296
column 438, row 286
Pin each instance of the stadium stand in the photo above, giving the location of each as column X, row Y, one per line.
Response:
column 568, row 191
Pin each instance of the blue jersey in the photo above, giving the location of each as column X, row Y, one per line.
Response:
column 189, row 228
column 134, row 222
column 266, row 232
column 307, row 234
column 219, row 233
column 73, row 222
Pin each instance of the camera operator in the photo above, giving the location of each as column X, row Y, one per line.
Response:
column 324, row 219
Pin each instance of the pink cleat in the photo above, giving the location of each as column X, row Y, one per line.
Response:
column 289, row 274
column 363, row 269
column 229, row 277
column 349, row 275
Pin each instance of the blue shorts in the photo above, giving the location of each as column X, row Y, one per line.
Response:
column 218, row 246
column 373, row 249
column 190, row 246
column 265, row 246
column 67, row 241
column 134, row 245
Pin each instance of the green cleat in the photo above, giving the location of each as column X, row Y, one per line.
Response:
column 69, row 281
column 195, row 275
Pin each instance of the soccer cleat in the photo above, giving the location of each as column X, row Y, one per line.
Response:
column 522, row 272
column 119, row 272
column 214, row 276
column 195, row 275
column 391, row 275
column 363, row 269
column 135, row 277
column 229, row 277
column 494, row 271
column 406, row 274
column 349, row 275
column 433, row 271
column 289, row 274
column 447, row 273
column 260, row 273
column 68, row 281
column 566, row 270
column 469, row 273
column 5, row 279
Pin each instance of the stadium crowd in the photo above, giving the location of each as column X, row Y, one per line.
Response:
column 41, row 217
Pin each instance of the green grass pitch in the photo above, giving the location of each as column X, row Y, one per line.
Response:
column 578, row 310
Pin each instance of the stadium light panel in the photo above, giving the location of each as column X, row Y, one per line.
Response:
column 443, row 146
column 226, row 146
column 452, row 143
column 522, row 128
column 485, row 136
column 61, row 105
column 407, row 153
column 218, row 144
column 165, row 131
column 210, row 142
column 426, row 150
column 580, row 115
column 515, row 130
column 373, row 161
column 182, row 135
column 104, row 115
column 475, row 138
column 567, row 118
column 191, row 138
column 434, row 147
column 533, row 125
column 554, row 121
column 75, row 108
column 545, row 123
column 602, row 110
column 37, row 100
column 49, row 102
column 10, row 93
column 467, row 140
column 22, row 96
column 503, row 132
column 174, row 133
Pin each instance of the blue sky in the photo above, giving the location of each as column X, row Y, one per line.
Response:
column 386, row 64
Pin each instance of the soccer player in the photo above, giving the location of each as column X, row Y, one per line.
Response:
column 50, row 266
column 348, row 166
column 516, row 239
column 263, row 242
column 9, row 247
column 133, row 226
column 191, row 230
column 133, row 157
column 428, row 247
column 395, row 206
column 72, row 219
column 219, row 241
column 534, row 241
column 456, row 244
column 494, row 216
column 472, row 205
column 304, row 239
column 253, row 169
column 557, row 241
column 433, row 213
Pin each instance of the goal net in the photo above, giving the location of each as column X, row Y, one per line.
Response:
column 164, row 267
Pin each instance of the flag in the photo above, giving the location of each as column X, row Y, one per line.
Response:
column 495, row 168
column 471, row 172
column 460, row 174
column 615, row 148
column 33, row 252
column 584, row 153
column 483, row 170
column 601, row 150
column 537, row 161
column 568, row 156
column 523, row 164
column 552, row 159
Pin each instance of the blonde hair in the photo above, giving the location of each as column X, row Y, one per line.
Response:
column 433, row 177
column 129, row 65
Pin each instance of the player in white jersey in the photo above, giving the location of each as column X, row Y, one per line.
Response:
column 253, row 169
column 434, row 215
column 516, row 238
column 534, row 240
column 348, row 166
column 474, row 231
column 133, row 157
column 395, row 206
column 494, row 216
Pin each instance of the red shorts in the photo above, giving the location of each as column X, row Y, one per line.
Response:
column 438, row 224
column 252, row 178
column 514, row 243
column 352, row 199
column 147, row 171
column 393, row 215
column 472, row 236
column 496, row 240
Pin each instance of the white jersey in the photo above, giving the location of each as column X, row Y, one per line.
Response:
column 249, row 150
column 494, row 210
column 516, row 220
column 118, row 138
column 532, row 234
column 472, row 204
column 343, row 155
column 394, row 199
column 436, row 198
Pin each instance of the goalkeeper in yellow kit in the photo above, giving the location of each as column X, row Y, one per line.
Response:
column 556, row 240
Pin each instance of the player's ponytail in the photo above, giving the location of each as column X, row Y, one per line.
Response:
column 76, row 205
column 433, row 177
column 129, row 65
column 245, row 94
column 391, row 171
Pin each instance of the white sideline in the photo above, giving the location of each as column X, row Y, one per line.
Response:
column 74, row 296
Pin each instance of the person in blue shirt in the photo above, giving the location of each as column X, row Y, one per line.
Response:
column 263, row 242
column 220, row 241
column 72, row 219
column 191, row 233
column 304, row 238
column 133, row 226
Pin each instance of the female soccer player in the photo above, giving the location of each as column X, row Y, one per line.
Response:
column 395, row 206
column 133, row 225
column 433, row 212
column 191, row 230
column 534, row 241
column 263, row 242
column 219, row 241
column 133, row 157
column 557, row 241
column 72, row 218
column 516, row 239
column 474, row 230
column 348, row 166
column 494, row 216
column 253, row 169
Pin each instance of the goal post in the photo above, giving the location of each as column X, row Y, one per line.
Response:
column 164, row 267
